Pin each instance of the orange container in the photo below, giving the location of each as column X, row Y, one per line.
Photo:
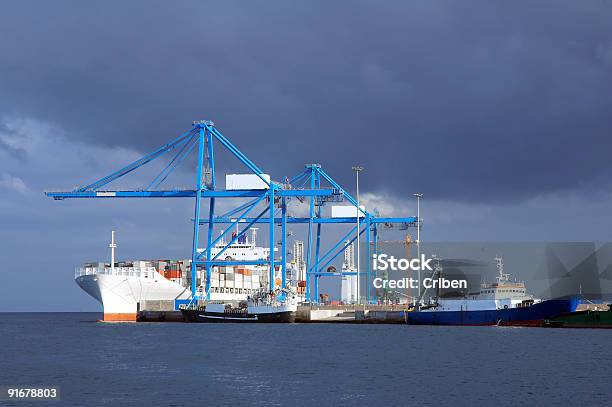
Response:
column 172, row 273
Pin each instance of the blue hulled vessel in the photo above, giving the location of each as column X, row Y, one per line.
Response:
column 504, row 302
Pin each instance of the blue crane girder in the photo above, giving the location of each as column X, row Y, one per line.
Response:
column 232, row 193
column 304, row 220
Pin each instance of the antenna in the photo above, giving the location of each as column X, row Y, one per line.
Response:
column 499, row 263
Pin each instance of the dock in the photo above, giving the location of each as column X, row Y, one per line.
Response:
column 355, row 314
column 388, row 314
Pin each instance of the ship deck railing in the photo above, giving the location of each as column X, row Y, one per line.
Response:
column 144, row 272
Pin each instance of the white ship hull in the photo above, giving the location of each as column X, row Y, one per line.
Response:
column 121, row 292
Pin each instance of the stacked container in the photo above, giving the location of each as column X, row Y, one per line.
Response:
column 238, row 280
column 229, row 277
column 255, row 283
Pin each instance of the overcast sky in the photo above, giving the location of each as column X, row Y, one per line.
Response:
column 500, row 113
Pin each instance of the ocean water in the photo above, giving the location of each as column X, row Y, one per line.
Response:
column 177, row 364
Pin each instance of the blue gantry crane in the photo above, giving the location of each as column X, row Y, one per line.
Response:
column 266, row 205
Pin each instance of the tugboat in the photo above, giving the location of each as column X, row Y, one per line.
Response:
column 504, row 302
column 280, row 306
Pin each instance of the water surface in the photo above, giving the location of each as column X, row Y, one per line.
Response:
column 181, row 364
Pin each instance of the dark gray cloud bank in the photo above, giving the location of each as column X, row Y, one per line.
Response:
column 499, row 112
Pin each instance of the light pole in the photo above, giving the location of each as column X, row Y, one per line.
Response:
column 418, row 242
column 357, row 170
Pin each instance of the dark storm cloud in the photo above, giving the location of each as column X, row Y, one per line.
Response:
column 491, row 101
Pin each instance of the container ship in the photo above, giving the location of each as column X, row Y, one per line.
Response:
column 504, row 302
column 126, row 287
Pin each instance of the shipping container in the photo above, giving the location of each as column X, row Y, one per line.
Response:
column 346, row 211
column 172, row 273
column 246, row 181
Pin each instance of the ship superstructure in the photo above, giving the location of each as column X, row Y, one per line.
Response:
column 229, row 283
column 504, row 287
column 504, row 293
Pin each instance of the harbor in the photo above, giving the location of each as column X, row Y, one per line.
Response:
column 232, row 277
column 372, row 314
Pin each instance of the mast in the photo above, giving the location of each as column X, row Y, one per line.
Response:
column 439, row 270
column 499, row 263
column 112, row 246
